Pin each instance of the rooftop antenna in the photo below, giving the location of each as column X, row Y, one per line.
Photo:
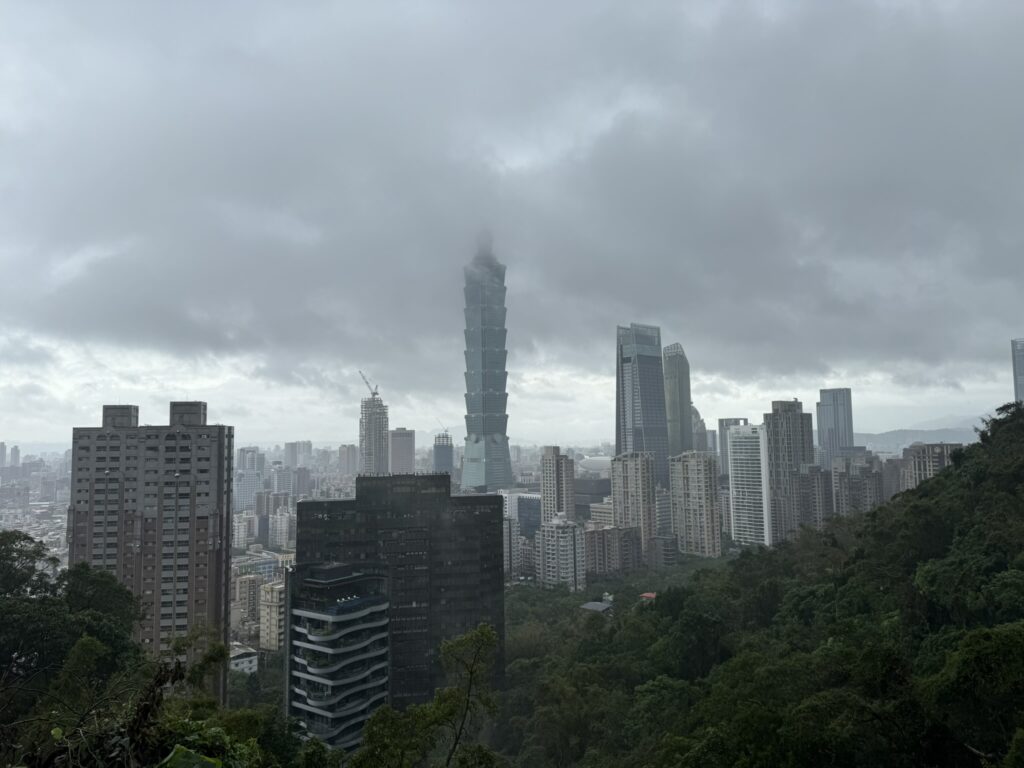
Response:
column 369, row 386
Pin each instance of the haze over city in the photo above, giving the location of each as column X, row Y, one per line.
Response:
column 251, row 212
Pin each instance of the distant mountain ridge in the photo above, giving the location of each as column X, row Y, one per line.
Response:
column 896, row 440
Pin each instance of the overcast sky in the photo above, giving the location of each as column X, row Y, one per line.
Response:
column 246, row 202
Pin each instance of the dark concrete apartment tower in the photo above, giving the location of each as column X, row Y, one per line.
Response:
column 152, row 505
column 640, row 420
column 486, row 464
column 441, row 555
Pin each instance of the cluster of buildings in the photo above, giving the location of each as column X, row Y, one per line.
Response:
column 355, row 564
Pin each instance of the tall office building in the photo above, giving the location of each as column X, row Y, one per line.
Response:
column 3, row 454
column 835, row 423
column 246, row 484
column 724, row 425
column 348, row 459
column 444, row 454
column 250, row 458
column 402, row 451
column 790, row 445
column 442, row 555
column 634, row 503
column 1017, row 354
column 15, row 456
column 152, row 506
column 557, row 485
column 677, row 400
column 373, row 436
column 641, row 422
column 291, row 455
column 486, row 463
column 337, row 631
column 693, row 480
column 561, row 559
column 700, row 430
column 750, row 507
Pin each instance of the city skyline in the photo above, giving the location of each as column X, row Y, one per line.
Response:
column 697, row 180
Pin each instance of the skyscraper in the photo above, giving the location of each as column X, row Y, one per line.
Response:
column 444, row 454
column 373, row 436
column 3, row 454
column 677, row 400
column 723, row 441
column 402, row 451
column 1017, row 353
column 634, row 503
column 15, row 456
column 486, row 462
column 835, row 424
column 700, row 430
column 557, row 485
column 348, row 459
column 641, row 424
column 152, row 506
column 441, row 554
column 789, row 432
column 750, row 508
column 693, row 478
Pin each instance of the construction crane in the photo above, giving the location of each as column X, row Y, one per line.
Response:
column 442, row 425
column 369, row 386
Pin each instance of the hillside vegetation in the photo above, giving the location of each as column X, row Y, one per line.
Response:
column 892, row 639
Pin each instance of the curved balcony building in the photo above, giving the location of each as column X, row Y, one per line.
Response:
column 338, row 659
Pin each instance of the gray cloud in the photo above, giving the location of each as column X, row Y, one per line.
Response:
column 797, row 189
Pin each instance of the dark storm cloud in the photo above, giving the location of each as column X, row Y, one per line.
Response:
column 785, row 188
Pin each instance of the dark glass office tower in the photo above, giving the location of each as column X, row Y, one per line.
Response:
column 835, row 424
column 678, row 406
column 486, row 463
column 790, row 446
column 641, row 424
column 1017, row 353
column 441, row 554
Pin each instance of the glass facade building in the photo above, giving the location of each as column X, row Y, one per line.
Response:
column 486, row 465
column 678, row 406
column 641, row 423
column 1017, row 351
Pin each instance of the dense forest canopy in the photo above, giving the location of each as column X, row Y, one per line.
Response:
column 891, row 639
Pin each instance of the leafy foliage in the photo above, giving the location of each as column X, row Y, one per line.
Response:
column 891, row 639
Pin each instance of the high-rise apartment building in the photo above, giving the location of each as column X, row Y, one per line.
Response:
column 1017, row 354
column 557, row 485
column 724, row 425
column 835, row 423
column 815, row 501
column 486, row 463
column 677, row 400
column 512, row 553
column 610, row 549
column 790, row 437
column 402, row 451
column 641, row 422
column 441, row 554
column 444, row 454
column 337, row 633
column 750, row 507
column 858, row 482
column 634, row 503
column 348, row 459
column 152, row 506
column 561, row 558
column 923, row 461
column 373, row 436
column 693, row 482
column 272, row 616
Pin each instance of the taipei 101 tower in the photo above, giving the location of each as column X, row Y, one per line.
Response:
column 486, row 463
